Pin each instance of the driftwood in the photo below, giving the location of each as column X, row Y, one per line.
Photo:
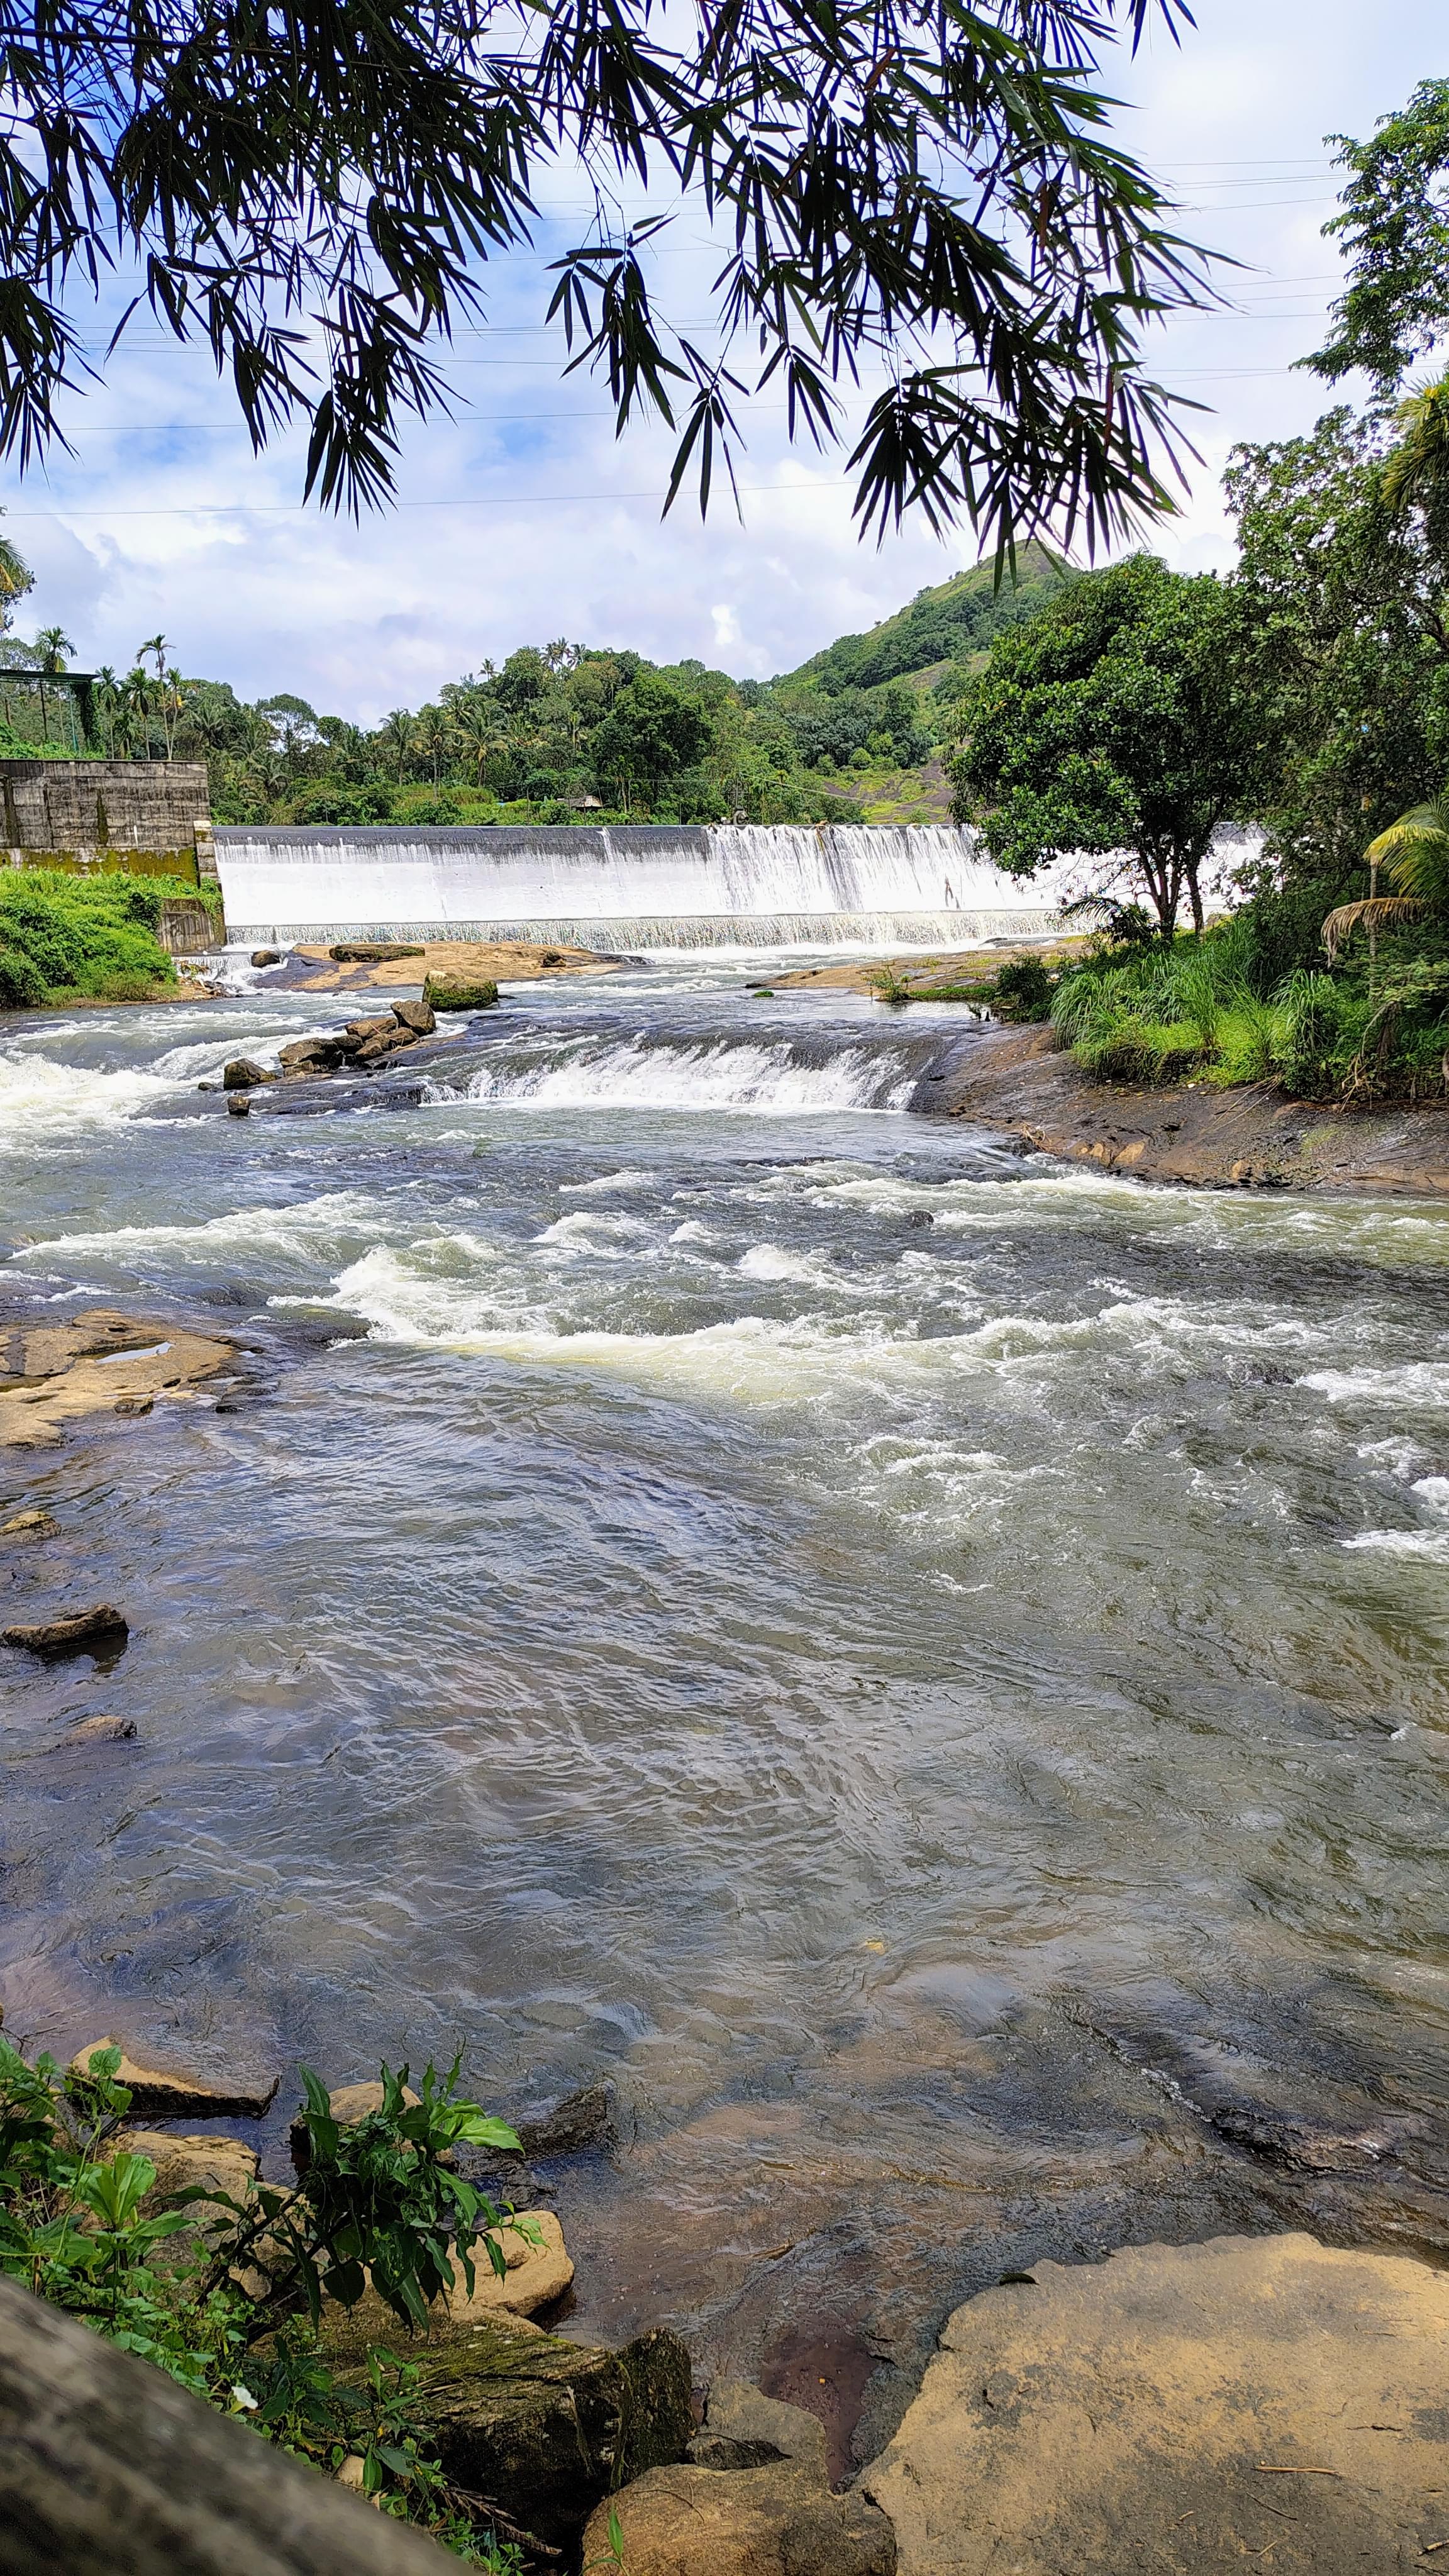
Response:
column 107, row 2468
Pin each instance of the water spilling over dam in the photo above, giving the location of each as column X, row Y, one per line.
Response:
column 654, row 886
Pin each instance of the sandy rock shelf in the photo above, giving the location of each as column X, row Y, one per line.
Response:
column 1255, row 2402
column 100, row 1362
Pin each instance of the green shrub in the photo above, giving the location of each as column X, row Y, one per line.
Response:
column 227, row 2297
column 1024, row 990
column 89, row 936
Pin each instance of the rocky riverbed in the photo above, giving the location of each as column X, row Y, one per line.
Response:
column 910, row 1658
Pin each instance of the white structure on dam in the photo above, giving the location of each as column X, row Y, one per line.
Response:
column 652, row 886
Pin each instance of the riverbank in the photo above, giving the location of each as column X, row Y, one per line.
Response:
column 1252, row 1137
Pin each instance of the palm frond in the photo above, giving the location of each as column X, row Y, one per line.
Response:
column 1376, row 912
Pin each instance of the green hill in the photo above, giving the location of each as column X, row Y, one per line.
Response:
column 941, row 625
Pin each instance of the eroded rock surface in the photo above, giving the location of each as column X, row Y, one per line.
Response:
column 1182, row 2410
column 751, row 2500
column 1250, row 1137
column 542, row 2427
column 100, row 1362
column 167, row 2093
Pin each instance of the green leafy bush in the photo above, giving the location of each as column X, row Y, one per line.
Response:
column 1023, row 990
column 227, row 2295
column 91, row 935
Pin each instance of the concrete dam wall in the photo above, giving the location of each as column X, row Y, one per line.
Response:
column 651, row 886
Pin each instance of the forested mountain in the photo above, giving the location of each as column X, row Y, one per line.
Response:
column 569, row 733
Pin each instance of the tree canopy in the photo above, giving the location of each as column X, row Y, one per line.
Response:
column 314, row 191
column 1115, row 721
column 1394, row 226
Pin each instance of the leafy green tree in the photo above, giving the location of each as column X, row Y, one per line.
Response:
column 935, row 185
column 1394, row 227
column 1341, row 589
column 16, row 578
column 651, row 732
column 1116, row 722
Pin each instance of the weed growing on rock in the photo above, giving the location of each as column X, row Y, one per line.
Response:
column 227, row 2293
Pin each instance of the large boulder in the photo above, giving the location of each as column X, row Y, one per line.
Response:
column 417, row 1016
column 243, row 1073
column 1252, row 2401
column 313, row 1056
column 543, row 2427
column 460, row 992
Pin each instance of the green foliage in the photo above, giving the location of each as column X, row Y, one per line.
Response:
column 401, row 149
column 945, row 623
column 1115, row 720
column 1024, row 989
column 92, row 935
column 227, row 2295
column 1394, row 226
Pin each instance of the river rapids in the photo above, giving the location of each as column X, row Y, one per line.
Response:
column 924, row 1667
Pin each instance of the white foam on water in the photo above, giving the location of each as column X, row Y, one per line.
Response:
column 318, row 1231
column 48, row 1107
column 708, row 1074
column 1413, row 1384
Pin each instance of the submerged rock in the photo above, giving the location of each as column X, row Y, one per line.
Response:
column 163, row 2093
column 1198, row 2407
column 581, row 2120
column 96, row 1730
column 29, row 1525
column 97, row 1363
column 102, row 1630
column 542, row 2427
column 460, row 992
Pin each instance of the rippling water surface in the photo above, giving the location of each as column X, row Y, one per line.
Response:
column 926, row 1667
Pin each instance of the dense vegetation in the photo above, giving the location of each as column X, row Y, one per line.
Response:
column 66, row 937
column 565, row 733
column 228, row 2295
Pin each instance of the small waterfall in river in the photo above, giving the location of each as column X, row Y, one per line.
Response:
column 656, row 886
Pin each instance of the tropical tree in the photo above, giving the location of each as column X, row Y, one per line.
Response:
column 479, row 732
column 396, row 732
column 932, row 183
column 16, row 578
column 1393, row 226
column 1116, row 725
column 434, row 737
column 651, row 732
column 108, row 699
column 1415, row 853
column 138, row 699
column 51, row 647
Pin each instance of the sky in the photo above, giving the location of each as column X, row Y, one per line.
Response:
column 522, row 519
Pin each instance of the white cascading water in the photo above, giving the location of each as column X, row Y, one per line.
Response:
column 649, row 887
column 775, row 1077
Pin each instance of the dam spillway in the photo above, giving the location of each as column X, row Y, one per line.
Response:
column 650, row 886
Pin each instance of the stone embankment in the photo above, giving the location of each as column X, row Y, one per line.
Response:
column 1249, row 1137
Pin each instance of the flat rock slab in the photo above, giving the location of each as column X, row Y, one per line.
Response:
column 100, row 1362
column 165, row 2093
column 1252, row 2402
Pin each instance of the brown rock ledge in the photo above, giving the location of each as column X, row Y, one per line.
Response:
column 1251, row 1137
column 1253, row 2401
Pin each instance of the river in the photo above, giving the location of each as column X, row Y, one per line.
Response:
column 925, row 1667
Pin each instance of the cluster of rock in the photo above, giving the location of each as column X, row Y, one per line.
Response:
column 362, row 1045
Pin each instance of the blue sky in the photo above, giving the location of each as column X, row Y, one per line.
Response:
column 522, row 519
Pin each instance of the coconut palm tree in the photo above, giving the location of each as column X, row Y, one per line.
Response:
column 478, row 733
column 16, row 578
column 1415, row 853
column 108, row 698
column 397, row 732
column 51, row 647
column 1416, row 469
column 434, row 736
